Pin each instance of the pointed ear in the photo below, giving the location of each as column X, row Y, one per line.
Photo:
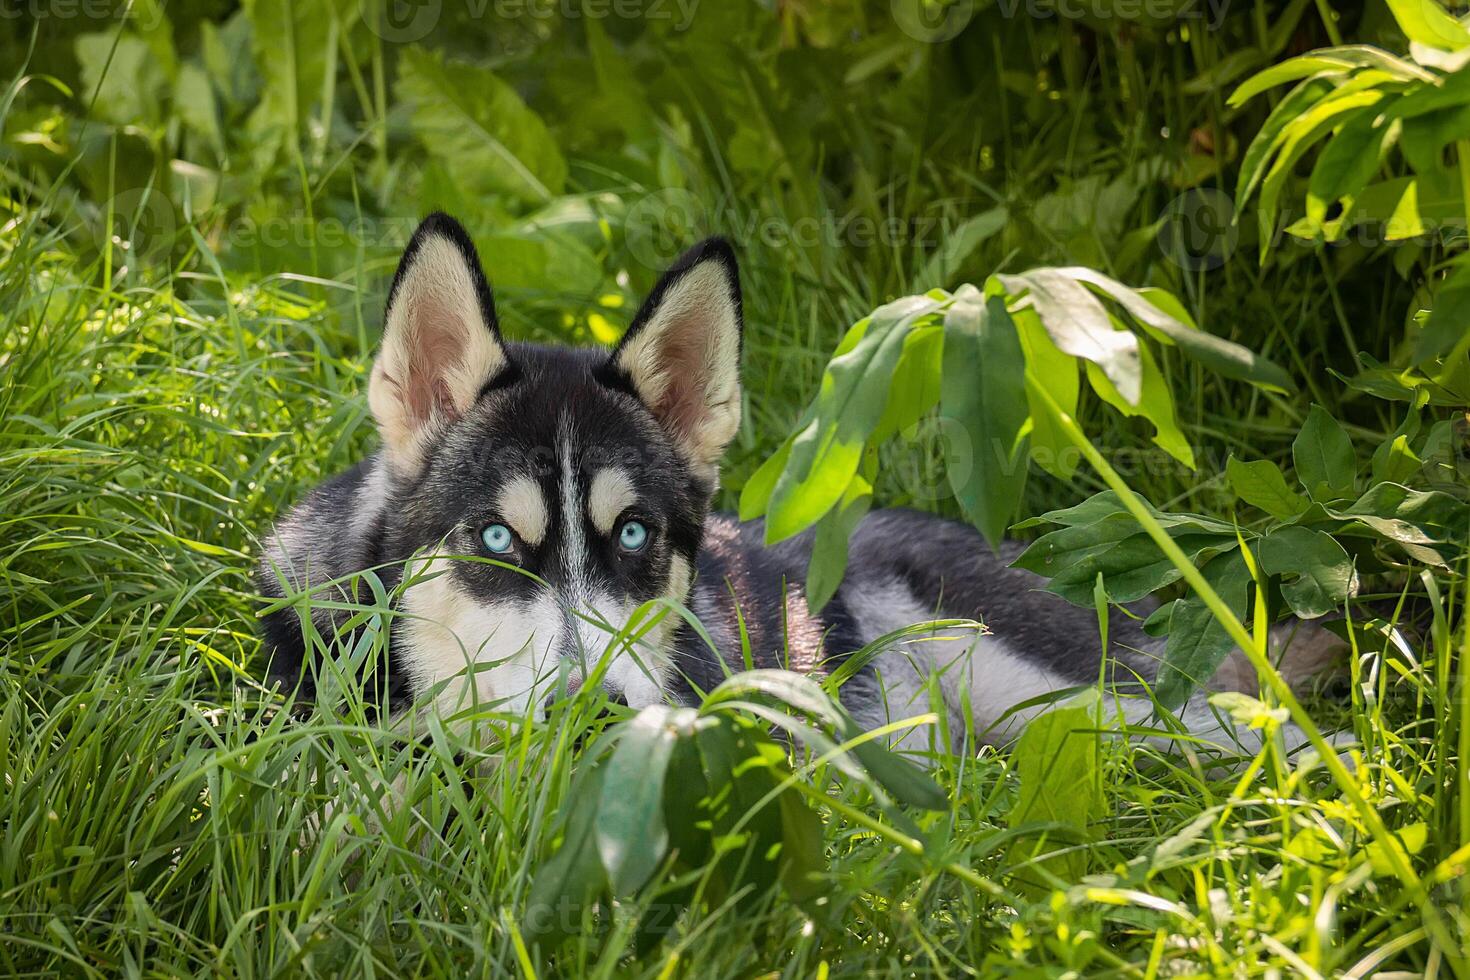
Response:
column 441, row 344
column 681, row 356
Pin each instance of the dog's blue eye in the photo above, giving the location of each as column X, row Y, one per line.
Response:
column 633, row 536
column 497, row 538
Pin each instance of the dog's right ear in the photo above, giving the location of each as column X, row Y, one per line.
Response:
column 441, row 343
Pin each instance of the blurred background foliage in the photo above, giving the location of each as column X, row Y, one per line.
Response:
column 854, row 151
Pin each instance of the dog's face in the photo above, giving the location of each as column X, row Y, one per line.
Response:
column 547, row 493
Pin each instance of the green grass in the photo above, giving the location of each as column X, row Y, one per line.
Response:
column 160, row 404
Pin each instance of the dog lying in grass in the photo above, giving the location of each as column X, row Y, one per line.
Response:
column 542, row 512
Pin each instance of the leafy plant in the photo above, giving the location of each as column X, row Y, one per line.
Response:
column 976, row 357
column 1361, row 103
column 1310, row 550
column 707, row 795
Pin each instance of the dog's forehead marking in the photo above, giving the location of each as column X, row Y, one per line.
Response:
column 574, row 543
column 523, row 506
column 611, row 493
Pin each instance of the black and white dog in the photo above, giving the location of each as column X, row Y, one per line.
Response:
column 533, row 504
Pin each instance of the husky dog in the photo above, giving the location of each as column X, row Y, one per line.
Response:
column 533, row 504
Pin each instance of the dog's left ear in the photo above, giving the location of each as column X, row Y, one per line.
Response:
column 681, row 356
column 441, row 344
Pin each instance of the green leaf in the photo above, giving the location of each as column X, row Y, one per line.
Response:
column 1049, row 368
column 1347, row 163
column 915, row 388
column 755, row 496
column 1155, row 404
column 1056, row 760
column 984, row 393
column 567, row 884
column 1319, row 574
column 631, row 836
column 466, row 116
column 1419, row 522
column 1291, row 70
column 1323, row 455
column 1262, row 484
column 1395, row 461
column 1426, row 22
column 1079, row 325
column 1447, row 331
column 1132, row 568
column 825, row 454
column 829, row 546
column 133, row 88
column 1164, row 318
column 1258, row 154
column 1198, row 642
column 292, row 42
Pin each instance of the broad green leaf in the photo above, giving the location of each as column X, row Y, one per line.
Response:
column 915, row 388
column 1056, row 372
column 468, row 117
column 1407, row 207
column 829, row 546
column 1197, row 642
column 1323, row 455
column 1106, row 503
column 1447, row 332
column 293, row 47
column 1420, row 522
column 1165, row 319
column 825, row 454
column 1155, row 404
column 1293, row 69
column 567, row 884
column 905, row 782
column 1395, row 460
column 1339, row 108
column 133, row 88
column 1132, row 568
column 1318, row 573
column 1262, row 484
column 803, row 855
column 740, row 765
column 1057, row 550
column 631, row 836
column 1079, row 325
column 1443, row 92
column 984, row 393
column 1424, row 138
column 1287, row 111
column 1347, row 163
column 1057, row 764
column 755, row 496
column 1328, row 62
column 1426, row 22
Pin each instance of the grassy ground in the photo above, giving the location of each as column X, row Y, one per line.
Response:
column 163, row 398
